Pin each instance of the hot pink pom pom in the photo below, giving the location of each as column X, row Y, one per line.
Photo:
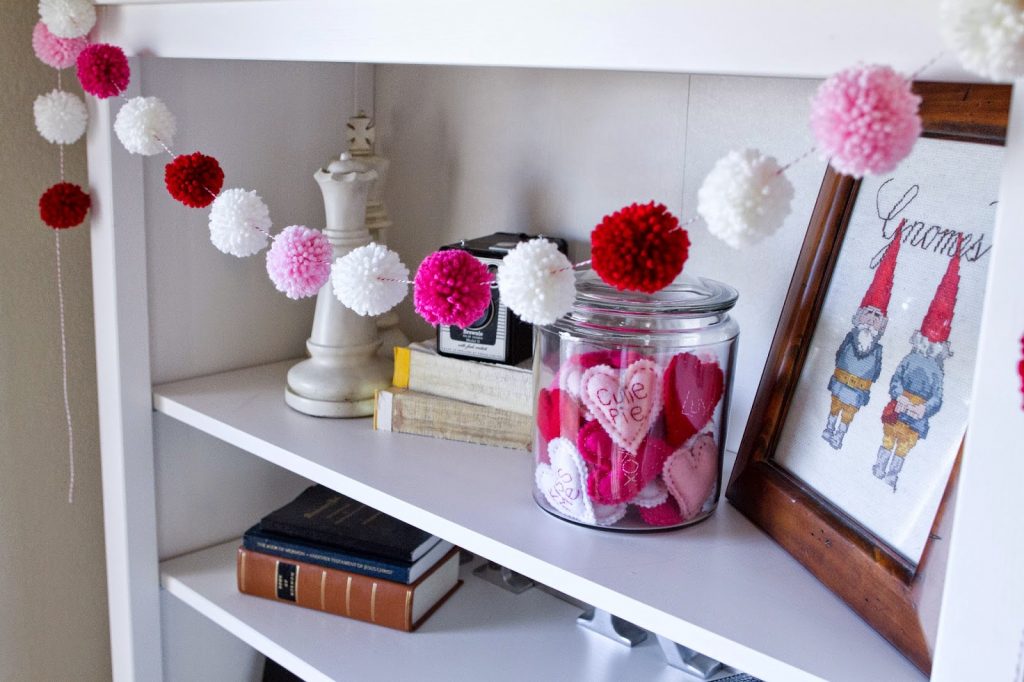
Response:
column 103, row 70
column 60, row 53
column 865, row 120
column 452, row 287
column 299, row 262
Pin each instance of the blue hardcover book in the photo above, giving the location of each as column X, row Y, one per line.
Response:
column 320, row 516
column 257, row 539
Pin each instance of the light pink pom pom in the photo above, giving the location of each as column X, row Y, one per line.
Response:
column 452, row 287
column 865, row 120
column 299, row 262
column 60, row 53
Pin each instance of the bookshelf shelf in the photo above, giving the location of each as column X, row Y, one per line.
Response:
column 685, row 585
column 481, row 627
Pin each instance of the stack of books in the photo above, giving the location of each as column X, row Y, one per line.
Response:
column 456, row 399
column 328, row 552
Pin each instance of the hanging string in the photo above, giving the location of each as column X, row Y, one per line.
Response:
column 929, row 64
column 64, row 368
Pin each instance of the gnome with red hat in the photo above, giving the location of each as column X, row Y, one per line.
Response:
column 916, row 386
column 859, row 358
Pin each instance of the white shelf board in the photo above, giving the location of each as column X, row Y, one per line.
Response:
column 481, row 631
column 722, row 587
column 804, row 38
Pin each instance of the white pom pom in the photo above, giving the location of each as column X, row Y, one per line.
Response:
column 370, row 280
column 60, row 117
column 987, row 35
column 536, row 281
column 239, row 222
column 145, row 126
column 744, row 198
column 68, row 18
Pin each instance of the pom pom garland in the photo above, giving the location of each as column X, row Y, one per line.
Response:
column 639, row 248
column 63, row 205
column 987, row 36
column 145, row 125
column 536, row 281
column 68, row 18
column 865, row 120
column 299, row 261
column 239, row 222
column 194, row 179
column 744, row 198
column 370, row 280
column 103, row 70
column 60, row 117
column 452, row 287
column 60, row 53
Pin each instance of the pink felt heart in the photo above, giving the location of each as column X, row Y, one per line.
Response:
column 691, row 474
column 692, row 390
column 574, row 367
column 562, row 482
column 625, row 401
column 616, row 475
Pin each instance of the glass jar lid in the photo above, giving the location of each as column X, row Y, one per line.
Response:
column 689, row 303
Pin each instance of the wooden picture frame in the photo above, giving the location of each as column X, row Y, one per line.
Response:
column 881, row 585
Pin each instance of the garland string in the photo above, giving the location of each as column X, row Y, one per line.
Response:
column 64, row 367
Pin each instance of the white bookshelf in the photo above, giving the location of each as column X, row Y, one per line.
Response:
column 180, row 481
column 790, row 627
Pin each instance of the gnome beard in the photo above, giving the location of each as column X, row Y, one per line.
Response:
column 866, row 337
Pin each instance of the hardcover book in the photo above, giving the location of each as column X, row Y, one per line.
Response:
column 382, row 602
column 404, row 411
column 329, row 556
column 419, row 368
column 323, row 516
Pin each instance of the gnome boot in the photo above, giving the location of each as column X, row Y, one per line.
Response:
column 883, row 458
column 895, row 464
column 838, row 433
column 830, row 426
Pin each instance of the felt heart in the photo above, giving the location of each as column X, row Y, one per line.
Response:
column 608, row 514
column 652, row 495
column 691, row 473
column 625, row 401
column 573, row 369
column 692, row 390
column 562, row 482
column 557, row 415
column 616, row 475
column 664, row 514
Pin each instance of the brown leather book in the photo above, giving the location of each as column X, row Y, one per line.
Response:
column 394, row 605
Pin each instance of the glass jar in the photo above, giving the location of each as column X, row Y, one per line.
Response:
column 632, row 403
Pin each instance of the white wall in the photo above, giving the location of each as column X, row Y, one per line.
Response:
column 476, row 150
column 53, row 614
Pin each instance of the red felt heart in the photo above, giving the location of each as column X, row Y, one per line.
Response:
column 691, row 393
column 664, row 514
column 557, row 415
column 615, row 475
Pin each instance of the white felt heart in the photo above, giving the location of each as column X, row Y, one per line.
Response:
column 564, row 481
column 651, row 495
column 609, row 514
column 691, row 473
column 625, row 401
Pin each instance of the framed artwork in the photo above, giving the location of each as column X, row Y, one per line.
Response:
column 858, row 422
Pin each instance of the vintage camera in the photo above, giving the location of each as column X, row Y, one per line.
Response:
column 498, row 335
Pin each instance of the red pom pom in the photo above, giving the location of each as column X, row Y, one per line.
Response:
column 194, row 179
column 103, row 70
column 639, row 248
column 64, row 205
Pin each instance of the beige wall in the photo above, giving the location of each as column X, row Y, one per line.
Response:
column 53, row 619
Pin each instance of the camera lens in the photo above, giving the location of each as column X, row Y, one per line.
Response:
column 484, row 319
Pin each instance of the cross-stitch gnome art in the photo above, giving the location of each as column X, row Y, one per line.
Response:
column 859, row 358
column 915, row 390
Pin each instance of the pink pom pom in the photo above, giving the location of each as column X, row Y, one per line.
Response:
column 865, row 120
column 103, row 70
column 299, row 262
column 452, row 287
column 60, row 53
